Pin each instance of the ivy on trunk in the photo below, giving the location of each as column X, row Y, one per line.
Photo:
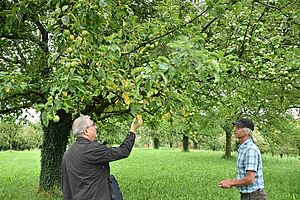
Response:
column 54, row 144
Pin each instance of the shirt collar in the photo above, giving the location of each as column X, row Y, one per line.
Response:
column 82, row 140
column 245, row 143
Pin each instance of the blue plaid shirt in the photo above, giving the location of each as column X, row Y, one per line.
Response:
column 249, row 159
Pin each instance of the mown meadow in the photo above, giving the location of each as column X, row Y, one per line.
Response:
column 164, row 174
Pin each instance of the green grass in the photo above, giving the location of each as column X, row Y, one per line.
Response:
column 157, row 174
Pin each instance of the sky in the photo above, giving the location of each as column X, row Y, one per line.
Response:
column 32, row 115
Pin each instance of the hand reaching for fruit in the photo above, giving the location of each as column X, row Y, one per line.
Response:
column 136, row 123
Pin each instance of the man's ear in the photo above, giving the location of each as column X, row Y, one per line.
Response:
column 85, row 132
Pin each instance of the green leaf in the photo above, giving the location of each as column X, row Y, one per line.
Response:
column 133, row 109
column 44, row 118
column 77, row 78
column 64, row 8
column 148, row 85
column 137, row 70
column 39, row 107
column 81, row 88
column 163, row 66
column 65, row 20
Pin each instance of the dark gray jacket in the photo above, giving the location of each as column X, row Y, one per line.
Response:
column 85, row 168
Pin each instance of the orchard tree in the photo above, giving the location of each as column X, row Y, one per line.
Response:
column 258, row 63
column 95, row 57
column 107, row 58
column 258, row 43
column 260, row 100
column 8, row 134
column 282, row 134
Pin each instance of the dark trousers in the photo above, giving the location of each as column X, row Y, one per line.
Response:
column 256, row 195
column 116, row 193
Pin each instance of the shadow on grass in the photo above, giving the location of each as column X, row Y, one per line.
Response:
column 51, row 194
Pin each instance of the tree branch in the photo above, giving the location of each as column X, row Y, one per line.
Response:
column 151, row 113
column 214, row 19
column 245, row 34
column 279, row 9
column 165, row 34
column 175, row 29
column 253, row 27
column 25, row 94
column 44, row 33
column 114, row 113
column 14, row 109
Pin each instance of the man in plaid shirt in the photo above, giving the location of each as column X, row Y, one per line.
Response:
column 249, row 179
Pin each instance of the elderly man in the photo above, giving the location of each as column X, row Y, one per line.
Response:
column 249, row 179
column 85, row 164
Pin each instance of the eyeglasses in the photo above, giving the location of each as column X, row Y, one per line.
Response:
column 91, row 126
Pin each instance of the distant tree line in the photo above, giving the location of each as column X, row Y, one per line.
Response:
column 14, row 136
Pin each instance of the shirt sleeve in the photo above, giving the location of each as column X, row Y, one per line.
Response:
column 251, row 160
column 99, row 153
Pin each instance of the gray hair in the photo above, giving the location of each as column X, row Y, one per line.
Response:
column 80, row 124
column 250, row 133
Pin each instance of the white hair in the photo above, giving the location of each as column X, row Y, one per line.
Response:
column 250, row 133
column 80, row 124
column 247, row 130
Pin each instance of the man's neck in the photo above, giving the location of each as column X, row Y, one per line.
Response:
column 244, row 139
column 85, row 136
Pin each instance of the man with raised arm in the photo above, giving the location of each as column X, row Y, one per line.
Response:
column 85, row 164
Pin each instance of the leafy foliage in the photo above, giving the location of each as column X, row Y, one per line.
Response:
column 162, row 58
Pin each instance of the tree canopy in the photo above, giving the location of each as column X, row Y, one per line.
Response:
column 160, row 58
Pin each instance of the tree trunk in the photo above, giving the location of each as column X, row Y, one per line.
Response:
column 195, row 144
column 185, row 142
column 171, row 145
column 10, row 141
column 228, row 143
column 55, row 139
column 10, row 144
column 156, row 143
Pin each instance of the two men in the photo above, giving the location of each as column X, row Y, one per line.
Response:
column 85, row 164
column 249, row 179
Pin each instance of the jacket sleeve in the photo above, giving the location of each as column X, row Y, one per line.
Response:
column 99, row 153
